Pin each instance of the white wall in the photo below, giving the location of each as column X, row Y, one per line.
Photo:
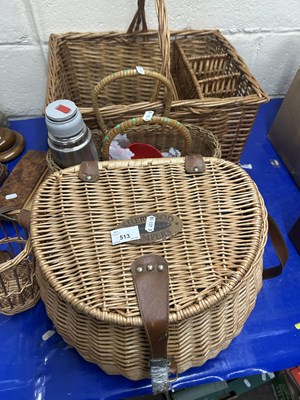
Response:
column 266, row 34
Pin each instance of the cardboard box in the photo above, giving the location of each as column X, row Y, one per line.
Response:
column 285, row 130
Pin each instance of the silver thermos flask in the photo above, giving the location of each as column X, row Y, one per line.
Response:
column 69, row 139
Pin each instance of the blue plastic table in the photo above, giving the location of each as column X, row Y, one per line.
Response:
column 33, row 368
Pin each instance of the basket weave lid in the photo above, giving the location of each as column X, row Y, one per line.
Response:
column 223, row 234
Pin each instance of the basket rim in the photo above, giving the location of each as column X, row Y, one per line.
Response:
column 22, row 255
column 175, row 316
column 151, row 32
column 260, row 95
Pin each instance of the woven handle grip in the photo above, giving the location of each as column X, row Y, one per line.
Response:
column 124, row 126
column 163, row 31
column 123, row 74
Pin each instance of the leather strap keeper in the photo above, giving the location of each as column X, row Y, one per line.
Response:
column 89, row 171
column 194, row 164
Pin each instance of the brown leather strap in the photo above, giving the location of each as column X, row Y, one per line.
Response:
column 194, row 164
column 24, row 218
column 151, row 281
column 89, row 171
column 280, row 248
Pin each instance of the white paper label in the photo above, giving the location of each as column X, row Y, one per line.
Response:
column 11, row 196
column 125, row 235
column 150, row 223
column 148, row 115
column 140, row 70
column 48, row 335
column 247, row 383
column 246, row 166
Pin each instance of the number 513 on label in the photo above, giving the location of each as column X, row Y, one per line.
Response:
column 125, row 235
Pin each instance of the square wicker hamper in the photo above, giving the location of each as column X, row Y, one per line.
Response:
column 214, row 258
column 212, row 85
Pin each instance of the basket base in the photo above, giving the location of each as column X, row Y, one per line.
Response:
column 120, row 350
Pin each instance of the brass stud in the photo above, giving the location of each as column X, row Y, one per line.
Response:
column 89, row 177
column 150, row 267
column 139, row 269
column 196, row 169
column 160, row 267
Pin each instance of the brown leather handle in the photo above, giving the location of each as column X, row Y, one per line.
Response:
column 151, row 281
column 24, row 219
column 280, row 249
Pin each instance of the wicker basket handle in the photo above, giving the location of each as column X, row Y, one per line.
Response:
column 139, row 17
column 123, row 74
column 124, row 126
column 151, row 281
column 163, row 31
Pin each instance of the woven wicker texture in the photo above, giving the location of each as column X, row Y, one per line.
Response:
column 18, row 287
column 161, row 133
column 215, row 262
column 124, row 76
column 207, row 68
column 165, row 132
column 213, row 86
column 80, row 60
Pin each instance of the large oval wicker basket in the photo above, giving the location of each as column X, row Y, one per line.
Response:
column 214, row 261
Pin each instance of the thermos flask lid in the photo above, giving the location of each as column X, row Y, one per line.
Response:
column 63, row 119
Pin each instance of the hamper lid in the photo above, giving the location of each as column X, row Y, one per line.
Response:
column 222, row 237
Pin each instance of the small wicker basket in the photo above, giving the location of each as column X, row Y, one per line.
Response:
column 18, row 287
column 161, row 133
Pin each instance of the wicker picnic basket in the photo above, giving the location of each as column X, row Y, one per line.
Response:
column 213, row 87
column 204, row 253
column 160, row 132
column 78, row 61
column 19, row 290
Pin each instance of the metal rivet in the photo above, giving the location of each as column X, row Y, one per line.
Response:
column 196, row 169
column 89, row 177
column 160, row 267
column 139, row 269
column 150, row 267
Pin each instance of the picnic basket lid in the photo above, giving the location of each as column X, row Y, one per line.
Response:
column 223, row 234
